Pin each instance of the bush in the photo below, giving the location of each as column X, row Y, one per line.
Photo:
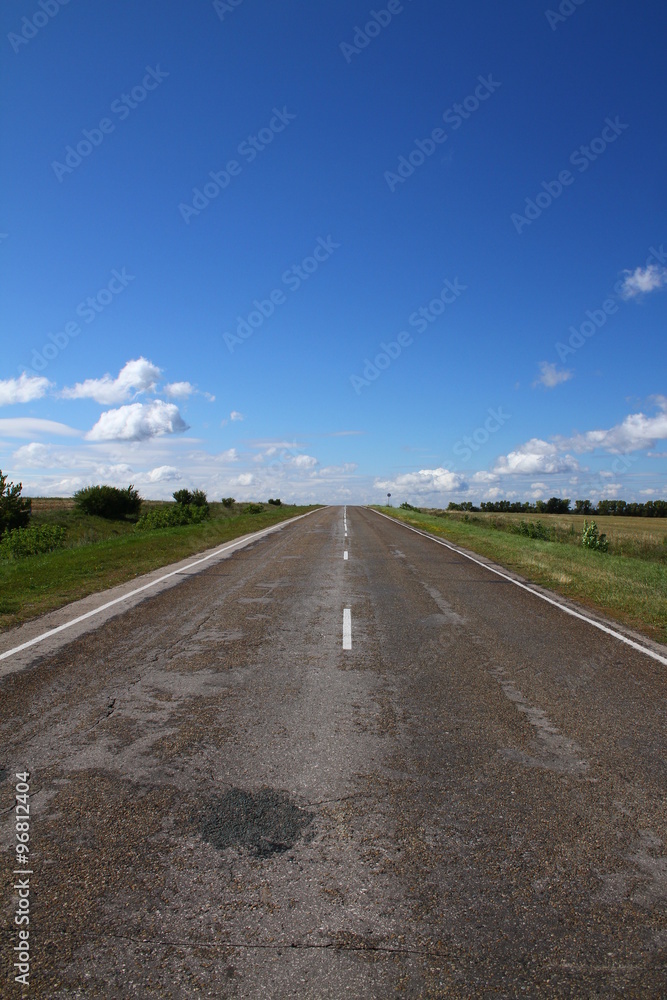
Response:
column 20, row 542
column 254, row 508
column 172, row 517
column 14, row 509
column 408, row 506
column 228, row 501
column 108, row 501
column 533, row 529
column 592, row 539
column 182, row 496
column 276, row 502
column 199, row 499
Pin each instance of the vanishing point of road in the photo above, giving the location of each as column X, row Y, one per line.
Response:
column 341, row 761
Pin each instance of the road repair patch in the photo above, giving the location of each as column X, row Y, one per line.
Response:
column 265, row 822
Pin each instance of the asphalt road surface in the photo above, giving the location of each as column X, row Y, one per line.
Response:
column 469, row 801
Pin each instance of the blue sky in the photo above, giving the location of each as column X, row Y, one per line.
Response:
column 330, row 251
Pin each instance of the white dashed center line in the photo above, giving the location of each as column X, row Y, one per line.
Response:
column 344, row 555
column 347, row 628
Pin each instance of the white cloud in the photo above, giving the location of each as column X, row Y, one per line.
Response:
column 301, row 461
column 34, row 455
column 22, row 389
column 635, row 433
column 163, row 474
column 538, row 486
column 550, row 375
column 643, row 280
column 235, row 415
column 231, row 455
column 179, row 390
column 424, row 481
column 535, row 457
column 22, row 427
column 138, row 422
column 136, row 376
column 484, row 477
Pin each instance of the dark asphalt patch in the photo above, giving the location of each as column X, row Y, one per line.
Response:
column 265, row 822
column 3, row 773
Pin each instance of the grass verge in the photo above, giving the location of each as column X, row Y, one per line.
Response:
column 630, row 589
column 102, row 555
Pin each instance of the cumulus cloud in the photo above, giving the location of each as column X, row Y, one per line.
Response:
column 163, row 474
column 179, row 390
column 138, row 422
column 22, row 389
column 643, row 280
column 634, row 433
column 484, row 477
column 136, row 376
column 551, row 376
column 235, row 415
column 535, row 457
column 424, row 481
column 34, row 455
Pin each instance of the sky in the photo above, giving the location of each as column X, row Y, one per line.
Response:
column 331, row 251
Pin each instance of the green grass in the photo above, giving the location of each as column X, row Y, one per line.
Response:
column 100, row 554
column 628, row 584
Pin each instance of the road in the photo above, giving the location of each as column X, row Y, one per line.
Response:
column 469, row 801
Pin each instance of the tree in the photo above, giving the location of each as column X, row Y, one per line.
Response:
column 583, row 507
column 228, row 501
column 15, row 510
column 182, row 496
column 199, row 499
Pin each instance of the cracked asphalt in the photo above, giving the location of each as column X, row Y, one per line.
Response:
column 469, row 802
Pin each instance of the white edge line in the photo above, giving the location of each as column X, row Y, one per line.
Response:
column 131, row 593
column 536, row 593
column 347, row 628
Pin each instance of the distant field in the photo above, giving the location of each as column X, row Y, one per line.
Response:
column 101, row 553
column 629, row 583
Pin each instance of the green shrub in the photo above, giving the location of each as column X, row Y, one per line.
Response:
column 108, row 501
column 228, row 501
column 408, row 506
column 14, row 509
column 172, row 517
column 592, row 539
column 182, row 496
column 199, row 499
column 533, row 529
column 276, row 502
column 254, row 508
column 30, row 541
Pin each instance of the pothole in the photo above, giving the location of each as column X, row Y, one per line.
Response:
column 265, row 822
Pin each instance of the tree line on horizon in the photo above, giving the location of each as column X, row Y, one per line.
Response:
column 558, row 505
